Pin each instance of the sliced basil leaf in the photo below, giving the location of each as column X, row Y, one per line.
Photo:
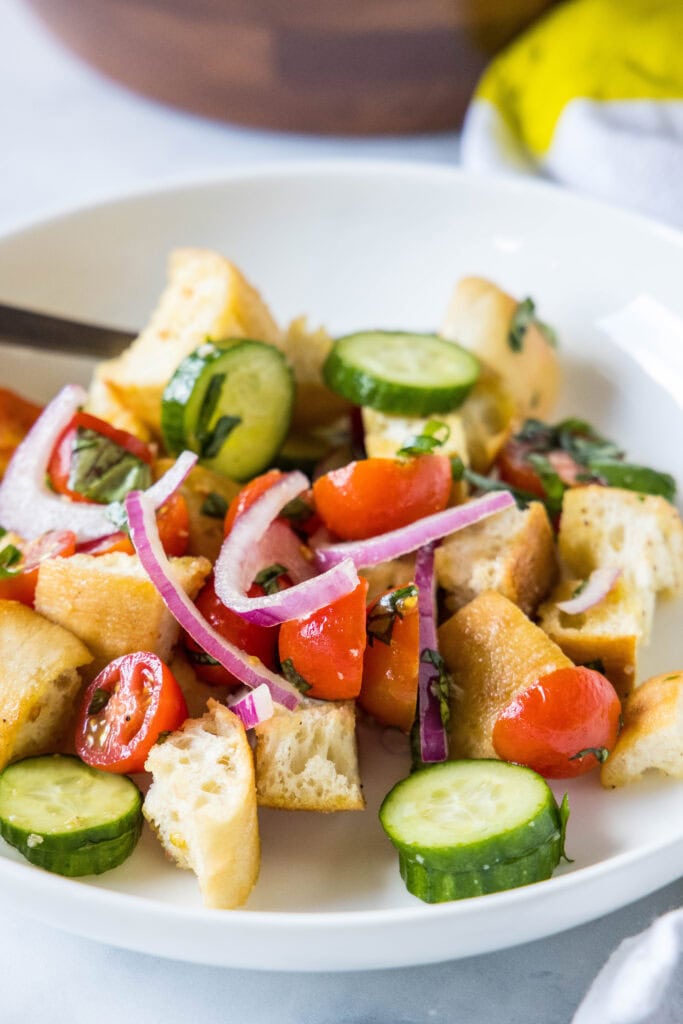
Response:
column 269, row 578
column 434, row 435
column 211, row 442
column 457, row 468
column 391, row 606
column 103, row 470
column 487, row 483
column 200, row 657
column 600, row 753
column 634, row 478
column 297, row 510
column 552, row 484
column 99, row 701
column 440, row 683
column 10, row 556
column 294, row 677
column 214, row 505
column 522, row 318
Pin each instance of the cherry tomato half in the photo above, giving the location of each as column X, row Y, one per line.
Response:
column 515, row 469
column 373, row 496
column 21, row 585
column 561, row 726
column 326, row 649
column 59, row 466
column 391, row 666
column 248, row 495
column 125, row 710
column 259, row 641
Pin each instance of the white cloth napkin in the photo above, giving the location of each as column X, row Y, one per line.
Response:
column 642, row 982
column 591, row 96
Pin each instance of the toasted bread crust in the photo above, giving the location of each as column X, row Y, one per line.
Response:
column 479, row 317
column 512, row 553
column 652, row 733
column 39, row 681
column 109, row 603
column 202, row 805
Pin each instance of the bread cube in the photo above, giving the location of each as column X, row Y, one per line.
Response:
column 479, row 317
column 105, row 403
column 39, row 681
column 608, row 632
column 639, row 533
column 202, row 805
column 109, row 603
column 512, row 552
column 307, row 760
column 306, row 351
column 387, row 575
column 206, row 297
column 493, row 653
column 205, row 531
column 652, row 734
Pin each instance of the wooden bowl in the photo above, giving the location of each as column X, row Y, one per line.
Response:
column 333, row 66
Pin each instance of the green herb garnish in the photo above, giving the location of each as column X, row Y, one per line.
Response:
column 440, row 683
column 297, row 510
column 98, row 701
column 200, row 657
column 212, row 438
column 597, row 665
column 214, row 505
column 564, row 819
column 600, row 753
column 294, row 677
column 391, row 606
column 269, row 578
column 434, row 435
column 522, row 318
column 103, row 470
column 10, row 556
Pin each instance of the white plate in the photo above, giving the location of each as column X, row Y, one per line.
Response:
column 362, row 246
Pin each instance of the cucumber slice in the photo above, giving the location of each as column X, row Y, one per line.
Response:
column 394, row 371
column 465, row 828
column 231, row 402
column 67, row 817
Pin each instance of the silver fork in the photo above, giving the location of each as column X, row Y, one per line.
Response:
column 57, row 334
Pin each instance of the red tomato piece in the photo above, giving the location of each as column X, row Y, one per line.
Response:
column 391, row 670
column 21, row 585
column 248, row 495
column 124, row 711
column 373, row 496
column 259, row 641
column 515, row 469
column 173, row 523
column 325, row 649
column 562, row 725
column 59, row 466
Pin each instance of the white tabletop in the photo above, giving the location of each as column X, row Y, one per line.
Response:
column 69, row 137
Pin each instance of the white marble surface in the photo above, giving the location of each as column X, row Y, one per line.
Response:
column 68, row 137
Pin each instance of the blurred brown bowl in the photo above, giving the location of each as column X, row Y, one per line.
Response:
column 334, row 66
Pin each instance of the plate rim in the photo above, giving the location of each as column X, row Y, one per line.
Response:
column 341, row 921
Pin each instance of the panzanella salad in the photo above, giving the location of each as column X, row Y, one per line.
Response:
column 243, row 539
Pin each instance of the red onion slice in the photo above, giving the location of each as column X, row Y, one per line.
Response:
column 254, row 707
column 249, row 670
column 30, row 508
column 594, row 590
column 433, row 741
column 238, row 563
column 364, row 553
